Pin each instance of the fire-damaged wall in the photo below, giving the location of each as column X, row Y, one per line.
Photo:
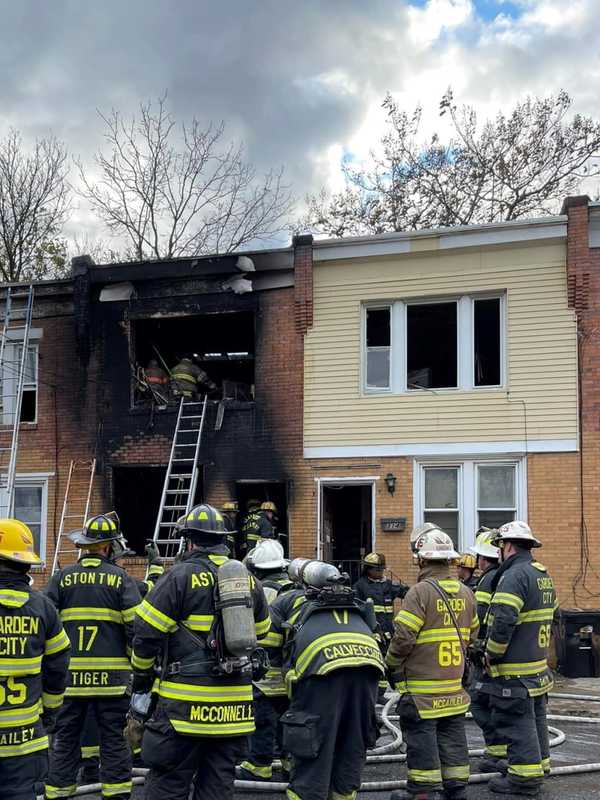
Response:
column 258, row 441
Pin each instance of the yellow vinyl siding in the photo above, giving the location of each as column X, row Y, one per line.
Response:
column 541, row 350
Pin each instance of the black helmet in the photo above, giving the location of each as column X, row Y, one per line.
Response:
column 204, row 519
column 99, row 529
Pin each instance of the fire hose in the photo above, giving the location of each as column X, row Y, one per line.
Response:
column 383, row 754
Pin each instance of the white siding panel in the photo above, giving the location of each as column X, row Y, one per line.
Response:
column 541, row 351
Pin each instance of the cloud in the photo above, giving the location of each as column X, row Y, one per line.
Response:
column 300, row 83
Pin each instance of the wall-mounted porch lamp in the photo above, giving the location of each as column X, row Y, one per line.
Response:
column 390, row 482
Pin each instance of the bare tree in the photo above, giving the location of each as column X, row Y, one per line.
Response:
column 34, row 204
column 517, row 165
column 175, row 190
column 95, row 247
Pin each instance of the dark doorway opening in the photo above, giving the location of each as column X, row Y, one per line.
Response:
column 136, row 497
column 276, row 491
column 347, row 525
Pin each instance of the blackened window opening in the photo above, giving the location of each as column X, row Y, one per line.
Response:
column 431, row 346
column 486, row 323
column 223, row 345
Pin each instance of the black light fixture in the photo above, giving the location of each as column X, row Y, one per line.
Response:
column 390, row 481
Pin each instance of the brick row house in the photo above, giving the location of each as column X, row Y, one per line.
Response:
column 378, row 382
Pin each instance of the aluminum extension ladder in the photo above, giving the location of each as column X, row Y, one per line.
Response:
column 181, row 479
column 14, row 337
column 75, row 510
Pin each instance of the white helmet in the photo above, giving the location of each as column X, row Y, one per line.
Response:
column 268, row 554
column 483, row 545
column 419, row 531
column 435, row 545
column 516, row 531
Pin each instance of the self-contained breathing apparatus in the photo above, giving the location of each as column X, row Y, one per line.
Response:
column 325, row 589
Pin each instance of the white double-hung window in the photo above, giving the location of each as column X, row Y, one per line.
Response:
column 9, row 383
column 31, row 506
column 438, row 344
column 462, row 496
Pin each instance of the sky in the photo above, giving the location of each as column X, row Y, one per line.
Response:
column 299, row 81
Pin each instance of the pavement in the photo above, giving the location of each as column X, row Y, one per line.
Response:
column 580, row 747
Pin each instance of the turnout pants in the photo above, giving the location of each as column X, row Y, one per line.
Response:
column 265, row 742
column 115, row 755
column 437, row 753
column 176, row 761
column 521, row 722
column 329, row 726
column 20, row 775
column 481, row 709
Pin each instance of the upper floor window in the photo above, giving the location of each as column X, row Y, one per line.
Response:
column 9, row 381
column 434, row 345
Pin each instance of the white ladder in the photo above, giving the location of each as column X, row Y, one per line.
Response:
column 75, row 510
column 12, row 374
column 182, row 476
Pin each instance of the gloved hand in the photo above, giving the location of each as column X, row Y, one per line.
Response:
column 152, row 554
column 133, row 733
column 142, row 682
column 49, row 717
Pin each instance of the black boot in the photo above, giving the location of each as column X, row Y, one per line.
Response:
column 506, row 786
column 404, row 794
column 490, row 764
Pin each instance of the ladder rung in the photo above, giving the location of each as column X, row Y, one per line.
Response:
column 168, row 524
column 193, row 416
column 173, row 508
column 187, row 403
column 167, row 541
column 185, row 445
column 183, row 459
column 189, row 430
column 177, row 491
column 177, row 475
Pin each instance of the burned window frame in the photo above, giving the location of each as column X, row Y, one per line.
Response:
column 465, row 346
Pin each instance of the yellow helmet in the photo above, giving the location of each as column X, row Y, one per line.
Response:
column 230, row 505
column 376, row 560
column 16, row 542
column 268, row 505
column 467, row 560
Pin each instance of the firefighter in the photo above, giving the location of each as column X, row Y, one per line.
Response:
column 487, row 562
column 229, row 510
column 268, row 563
column 96, row 599
column 204, row 714
column 156, row 376
column 251, row 526
column 155, row 568
column 332, row 667
column 427, row 658
column 187, row 379
column 382, row 592
column 517, row 678
column 465, row 568
column 269, row 515
column 33, row 666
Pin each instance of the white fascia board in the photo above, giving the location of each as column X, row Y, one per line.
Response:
column 477, row 238
column 445, row 449
column 544, row 228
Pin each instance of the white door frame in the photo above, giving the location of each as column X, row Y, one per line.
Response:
column 369, row 480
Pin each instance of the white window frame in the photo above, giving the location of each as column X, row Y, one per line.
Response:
column 369, row 480
column 376, row 307
column 465, row 344
column 468, row 497
column 9, row 386
column 36, row 480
